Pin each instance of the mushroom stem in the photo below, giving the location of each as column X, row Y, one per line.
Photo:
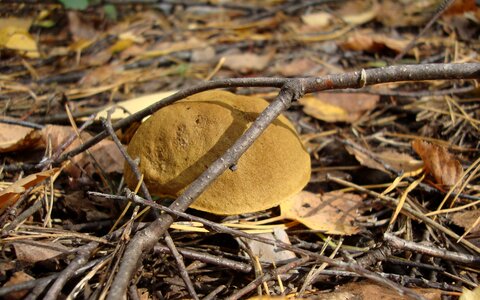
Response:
column 144, row 240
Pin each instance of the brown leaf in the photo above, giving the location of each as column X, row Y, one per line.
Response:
column 40, row 251
column 372, row 42
column 442, row 165
column 17, row 278
column 11, row 194
column 101, row 75
column 17, row 138
column 460, row 7
column 81, row 30
column 247, row 62
column 399, row 161
column 366, row 290
column 406, row 13
column 298, row 67
column 358, row 12
column 332, row 212
column 92, row 209
column 105, row 152
column 338, row 107
column 466, row 219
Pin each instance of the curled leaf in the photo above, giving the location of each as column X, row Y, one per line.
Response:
column 11, row 194
column 16, row 138
column 441, row 164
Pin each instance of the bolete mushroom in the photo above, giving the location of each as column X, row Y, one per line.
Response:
column 178, row 143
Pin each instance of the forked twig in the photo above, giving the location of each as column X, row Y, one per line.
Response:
column 291, row 90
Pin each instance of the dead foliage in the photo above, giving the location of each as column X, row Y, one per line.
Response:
column 398, row 158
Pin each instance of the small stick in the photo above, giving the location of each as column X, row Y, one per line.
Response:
column 269, row 276
column 359, row 270
column 336, row 81
column 83, row 253
column 402, row 244
column 394, row 202
column 207, row 258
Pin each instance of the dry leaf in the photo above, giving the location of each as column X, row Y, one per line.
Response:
column 366, row 290
column 203, row 55
column 470, row 295
column 460, row 7
column 358, row 12
column 269, row 253
column 17, row 278
column 367, row 41
column 40, row 251
column 247, row 62
column 101, row 75
column 11, row 194
column 322, row 110
column 338, row 107
column 399, row 161
column 128, row 107
column 267, row 297
column 352, row 13
column 298, row 67
column 407, row 12
column 14, row 35
column 332, row 212
column 106, row 153
column 81, row 30
column 466, row 219
column 90, row 209
column 17, row 138
column 319, row 19
column 143, row 294
column 442, row 165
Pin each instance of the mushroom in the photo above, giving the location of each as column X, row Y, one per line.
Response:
column 179, row 142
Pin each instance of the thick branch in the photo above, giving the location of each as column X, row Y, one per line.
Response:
column 292, row 90
column 336, row 81
column 147, row 238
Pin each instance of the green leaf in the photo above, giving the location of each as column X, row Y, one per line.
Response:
column 75, row 4
column 110, row 11
column 45, row 23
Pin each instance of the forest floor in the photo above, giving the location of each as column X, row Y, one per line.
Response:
column 395, row 166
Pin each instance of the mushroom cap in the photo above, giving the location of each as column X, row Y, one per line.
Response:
column 179, row 142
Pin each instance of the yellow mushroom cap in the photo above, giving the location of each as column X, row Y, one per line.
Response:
column 179, row 142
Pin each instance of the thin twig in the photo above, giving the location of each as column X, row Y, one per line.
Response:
column 21, row 123
column 277, row 243
column 207, row 258
column 440, row 10
column 394, row 202
column 337, row 81
column 26, row 285
column 402, row 244
column 83, row 253
column 268, row 276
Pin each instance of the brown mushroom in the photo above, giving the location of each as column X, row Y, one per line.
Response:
column 178, row 143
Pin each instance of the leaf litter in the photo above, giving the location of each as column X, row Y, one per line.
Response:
column 377, row 139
